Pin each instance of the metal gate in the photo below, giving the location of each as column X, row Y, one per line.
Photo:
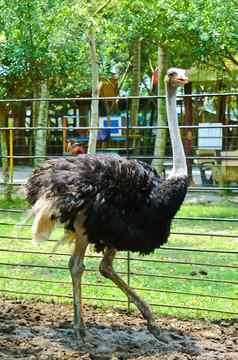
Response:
column 195, row 274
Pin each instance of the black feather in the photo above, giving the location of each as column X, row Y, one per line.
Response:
column 127, row 205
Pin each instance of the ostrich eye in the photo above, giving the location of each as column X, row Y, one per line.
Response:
column 172, row 74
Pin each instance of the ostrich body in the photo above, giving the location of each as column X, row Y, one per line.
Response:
column 113, row 203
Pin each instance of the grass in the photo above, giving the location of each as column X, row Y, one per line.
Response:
column 182, row 278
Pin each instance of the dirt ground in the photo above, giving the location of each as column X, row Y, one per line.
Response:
column 43, row 331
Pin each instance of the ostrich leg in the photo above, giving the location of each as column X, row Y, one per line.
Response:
column 106, row 269
column 76, row 267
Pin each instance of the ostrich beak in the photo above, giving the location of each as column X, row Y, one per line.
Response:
column 182, row 81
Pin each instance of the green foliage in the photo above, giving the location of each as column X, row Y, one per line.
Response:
column 47, row 39
column 38, row 42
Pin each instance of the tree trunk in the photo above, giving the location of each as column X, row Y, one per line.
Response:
column 4, row 153
column 188, row 121
column 40, row 119
column 220, row 105
column 233, row 134
column 135, row 88
column 19, row 116
column 34, row 116
column 94, row 121
column 161, row 134
column 221, row 116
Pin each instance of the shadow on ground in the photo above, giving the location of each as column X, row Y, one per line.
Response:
column 123, row 342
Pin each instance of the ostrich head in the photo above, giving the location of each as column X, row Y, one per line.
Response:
column 176, row 77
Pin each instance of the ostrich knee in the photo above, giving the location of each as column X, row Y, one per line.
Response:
column 76, row 266
column 105, row 269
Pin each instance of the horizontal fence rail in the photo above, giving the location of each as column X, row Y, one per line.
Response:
column 114, row 287
column 195, row 272
column 190, row 188
column 124, row 258
column 123, row 98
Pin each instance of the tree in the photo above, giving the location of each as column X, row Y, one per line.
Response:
column 91, row 35
column 161, row 131
column 92, row 11
column 40, row 52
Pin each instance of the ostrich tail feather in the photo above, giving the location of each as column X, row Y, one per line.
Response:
column 44, row 220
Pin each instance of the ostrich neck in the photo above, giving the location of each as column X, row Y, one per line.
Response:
column 179, row 159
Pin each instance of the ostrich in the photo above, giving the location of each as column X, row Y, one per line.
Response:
column 111, row 202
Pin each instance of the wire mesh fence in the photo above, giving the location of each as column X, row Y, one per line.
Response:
column 195, row 273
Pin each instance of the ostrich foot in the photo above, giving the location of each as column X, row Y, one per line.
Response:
column 80, row 332
column 154, row 330
column 166, row 336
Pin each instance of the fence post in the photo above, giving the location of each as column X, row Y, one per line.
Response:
column 188, row 121
column 4, row 151
column 11, row 149
column 65, row 144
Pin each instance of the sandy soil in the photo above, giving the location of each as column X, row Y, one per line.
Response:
column 43, row 331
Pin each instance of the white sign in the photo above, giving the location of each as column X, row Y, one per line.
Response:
column 210, row 136
column 115, row 125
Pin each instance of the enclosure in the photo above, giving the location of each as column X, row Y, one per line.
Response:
column 191, row 283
